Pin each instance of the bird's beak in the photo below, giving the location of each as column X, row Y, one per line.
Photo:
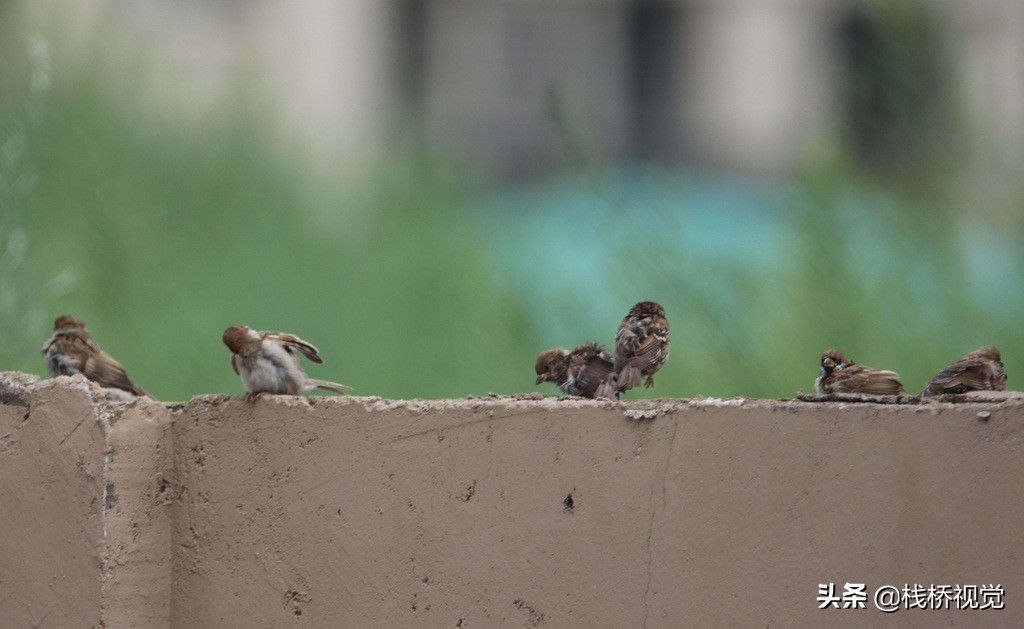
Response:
column 541, row 378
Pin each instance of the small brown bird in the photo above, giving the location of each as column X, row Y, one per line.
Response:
column 71, row 350
column 980, row 370
column 579, row 372
column 641, row 348
column 267, row 363
column 841, row 375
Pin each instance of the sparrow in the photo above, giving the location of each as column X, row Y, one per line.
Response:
column 980, row 370
column 641, row 348
column 839, row 374
column 580, row 372
column 71, row 350
column 267, row 362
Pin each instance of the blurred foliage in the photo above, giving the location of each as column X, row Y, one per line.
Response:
column 23, row 292
column 161, row 230
column 175, row 232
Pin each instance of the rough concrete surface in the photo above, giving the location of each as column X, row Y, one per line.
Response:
column 51, row 461
column 498, row 512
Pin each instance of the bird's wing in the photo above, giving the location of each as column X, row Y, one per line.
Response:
column 105, row 371
column 870, row 381
column 641, row 349
column 962, row 376
column 290, row 341
column 591, row 371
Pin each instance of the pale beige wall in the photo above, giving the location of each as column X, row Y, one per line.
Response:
column 51, row 501
column 358, row 512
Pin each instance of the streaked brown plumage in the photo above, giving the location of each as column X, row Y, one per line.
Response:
column 72, row 350
column 579, row 372
column 267, row 363
column 841, row 375
column 641, row 348
column 980, row 370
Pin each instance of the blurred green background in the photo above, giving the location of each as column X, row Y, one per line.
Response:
column 896, row 235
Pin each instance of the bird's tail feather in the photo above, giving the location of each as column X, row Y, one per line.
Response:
column 628, row 378
column 607, row 390
column 329, row 386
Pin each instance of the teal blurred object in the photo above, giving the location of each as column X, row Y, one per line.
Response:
column 595, row 249
column 758, row 278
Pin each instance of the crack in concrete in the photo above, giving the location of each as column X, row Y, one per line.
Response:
column 472, row 422
column 85, row 416
column 439, row 429
column 650, row 524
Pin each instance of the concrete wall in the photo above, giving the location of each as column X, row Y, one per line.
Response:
column 52, row 453
column 361, row 512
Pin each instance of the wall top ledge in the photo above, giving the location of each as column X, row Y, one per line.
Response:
column 18, row 389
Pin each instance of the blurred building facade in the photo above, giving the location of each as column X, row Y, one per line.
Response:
column 519, row 88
